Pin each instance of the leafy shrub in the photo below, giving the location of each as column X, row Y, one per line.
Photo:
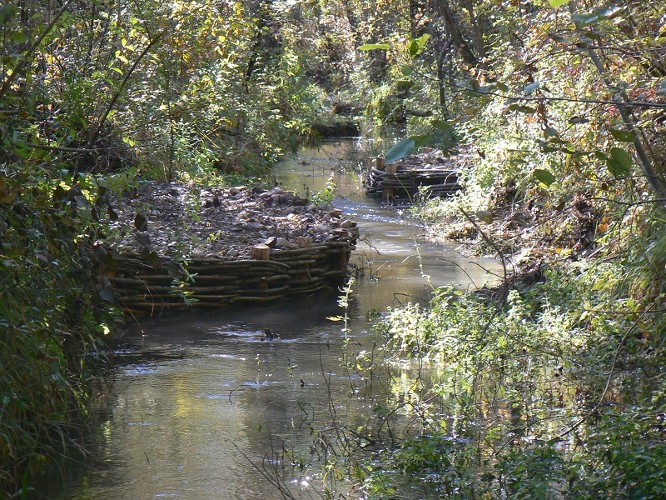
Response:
column 52, row 319
column 524, row 381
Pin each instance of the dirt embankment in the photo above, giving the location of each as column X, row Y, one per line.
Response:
column 525, row 231
column 180, row 219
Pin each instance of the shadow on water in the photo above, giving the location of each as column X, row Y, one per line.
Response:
column 197, row 398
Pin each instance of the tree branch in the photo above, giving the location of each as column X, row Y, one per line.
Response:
column 120, row 90
column 654, row 178
column 24, row 59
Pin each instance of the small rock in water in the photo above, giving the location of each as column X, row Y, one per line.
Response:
column 269, row 334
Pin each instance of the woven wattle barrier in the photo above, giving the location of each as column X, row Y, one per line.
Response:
column 145, row 287
column 405, row 181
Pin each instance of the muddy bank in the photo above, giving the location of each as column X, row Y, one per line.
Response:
column 172, row 219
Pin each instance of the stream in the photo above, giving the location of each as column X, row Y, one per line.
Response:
column 203, row 406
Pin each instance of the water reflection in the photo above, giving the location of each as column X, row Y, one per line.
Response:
column 204, row 406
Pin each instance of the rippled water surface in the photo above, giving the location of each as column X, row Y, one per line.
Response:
column 202, row 405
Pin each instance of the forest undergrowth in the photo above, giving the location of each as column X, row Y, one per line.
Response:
column 550, row 386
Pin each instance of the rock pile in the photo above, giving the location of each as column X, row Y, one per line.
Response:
column 179, row 219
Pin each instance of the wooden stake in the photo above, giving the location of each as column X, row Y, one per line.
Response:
column 261, row 252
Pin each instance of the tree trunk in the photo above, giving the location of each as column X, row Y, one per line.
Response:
column 455, row 33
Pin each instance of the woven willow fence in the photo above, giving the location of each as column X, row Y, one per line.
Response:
column 145, row 287
column 394, row 181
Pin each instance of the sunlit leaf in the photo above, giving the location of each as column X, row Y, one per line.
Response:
column 522, row 108
column 18, row 37
column 7, row 11
column 400, row 150
column 557, row 3
column 584, row 19
column 334, row 318
column 531, row 88
column 578, row 119
column 413, row 48
column 501, row 86
column 103, row 329
column 374, row 46
column 596, row 16
column 544, row 176
column 423, row 39
column 404, row 84
column 657, row 250
column 421, row 139
column 623, row 135
column 619, row 162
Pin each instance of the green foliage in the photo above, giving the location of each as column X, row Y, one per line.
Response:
column 132, row 91
column 53, row 315
column 109, row 88
column 400, row 150
column 544, row 176
column 522, row 79
column 559, row 111
column 374, row 46
column 518, row 384
column 326, row 196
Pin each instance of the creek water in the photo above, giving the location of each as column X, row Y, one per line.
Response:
column 201, row 405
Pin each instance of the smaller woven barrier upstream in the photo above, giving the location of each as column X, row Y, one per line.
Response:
column 405, row 182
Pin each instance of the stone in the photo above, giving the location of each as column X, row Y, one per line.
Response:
column 303, row 241
column 286, row 244
column 255, row 226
